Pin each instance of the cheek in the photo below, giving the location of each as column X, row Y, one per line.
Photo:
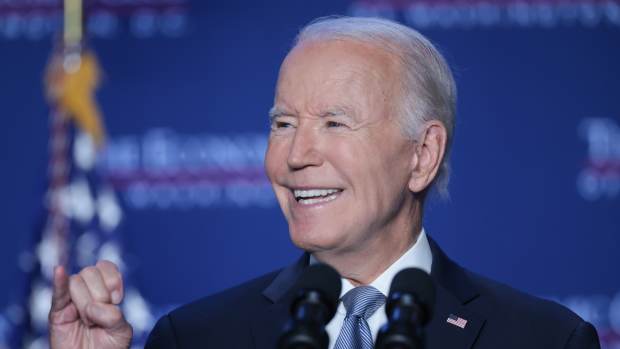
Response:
column 359, row 165
column 275, row 158
column 381, row 177
column 275, row 168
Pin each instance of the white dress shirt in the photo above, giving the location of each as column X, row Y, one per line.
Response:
column 418, row 256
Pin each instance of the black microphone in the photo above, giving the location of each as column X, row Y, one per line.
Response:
column 409, row 308
column 314, row 306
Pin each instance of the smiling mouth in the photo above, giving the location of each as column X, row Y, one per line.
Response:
column 315, row 196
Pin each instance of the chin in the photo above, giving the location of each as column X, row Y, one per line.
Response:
column 313, row 240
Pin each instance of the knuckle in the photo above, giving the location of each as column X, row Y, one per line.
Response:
column 74, row 281
column 100, row 295
column 105, row 264
column 115, row 280
column 90, row 270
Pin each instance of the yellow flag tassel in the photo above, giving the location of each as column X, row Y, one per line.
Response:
column 70, row 84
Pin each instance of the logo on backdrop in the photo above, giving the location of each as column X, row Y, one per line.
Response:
column 40, row 19
column 167, row 170
column 460, row 14
column 599, row 178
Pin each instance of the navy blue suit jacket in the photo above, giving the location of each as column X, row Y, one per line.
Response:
column 252, row 315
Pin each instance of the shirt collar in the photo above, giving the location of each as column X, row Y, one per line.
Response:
column 417, row 256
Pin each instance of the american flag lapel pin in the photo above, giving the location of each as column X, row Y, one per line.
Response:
column 456, row 321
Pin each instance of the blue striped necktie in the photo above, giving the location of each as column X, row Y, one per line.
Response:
column 360, row 303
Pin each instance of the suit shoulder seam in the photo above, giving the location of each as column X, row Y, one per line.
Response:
column 173, row 330
column 574, row 331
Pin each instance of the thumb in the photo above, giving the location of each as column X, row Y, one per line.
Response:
column 60, row 294
column 108, row 316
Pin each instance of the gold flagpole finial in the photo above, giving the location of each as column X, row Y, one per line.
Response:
column 72, row 76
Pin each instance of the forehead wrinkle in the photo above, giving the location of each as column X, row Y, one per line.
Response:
column 282, row 107
column 342, row 84
column 321, row 102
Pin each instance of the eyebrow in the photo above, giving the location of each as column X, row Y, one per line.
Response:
column 276, row 112
column 339, row 111
column 335, row 112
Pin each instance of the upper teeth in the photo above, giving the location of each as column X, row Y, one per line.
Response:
column 313, row 192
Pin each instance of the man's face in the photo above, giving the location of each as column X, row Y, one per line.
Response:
column 337, row 159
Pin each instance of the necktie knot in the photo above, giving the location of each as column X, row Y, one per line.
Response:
column 362, row 301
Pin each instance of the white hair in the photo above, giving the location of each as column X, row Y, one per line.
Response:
column 428, row 87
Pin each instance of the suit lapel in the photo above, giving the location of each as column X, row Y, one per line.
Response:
column 443, row 334
column 454, row 291
column 266, row 327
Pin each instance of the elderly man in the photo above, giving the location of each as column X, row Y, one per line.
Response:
column 360, row 132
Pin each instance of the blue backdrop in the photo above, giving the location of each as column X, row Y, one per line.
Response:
column 535, row 190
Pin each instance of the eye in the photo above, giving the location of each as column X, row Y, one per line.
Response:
column 279, row 124
column 282, row 124
column 334, row 124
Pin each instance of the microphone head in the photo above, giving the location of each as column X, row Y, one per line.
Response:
column 325, row 280
column 415, row 282
column 318, row 290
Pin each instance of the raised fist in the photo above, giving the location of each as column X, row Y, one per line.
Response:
column 85, row 310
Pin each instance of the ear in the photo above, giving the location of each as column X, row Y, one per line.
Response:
column 429, row 152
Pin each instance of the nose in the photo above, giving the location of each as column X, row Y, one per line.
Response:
column 304, row 150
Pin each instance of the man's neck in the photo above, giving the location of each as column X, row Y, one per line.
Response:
column 363, row 266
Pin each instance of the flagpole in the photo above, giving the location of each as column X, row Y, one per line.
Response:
column 72, row 34
column 69, row 61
